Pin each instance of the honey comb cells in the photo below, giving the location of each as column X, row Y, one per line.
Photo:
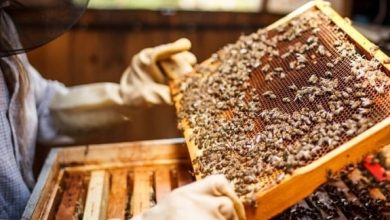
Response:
column 278, row 99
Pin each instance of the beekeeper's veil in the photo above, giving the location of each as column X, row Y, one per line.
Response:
column 28, row 24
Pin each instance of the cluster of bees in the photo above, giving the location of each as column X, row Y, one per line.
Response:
column 355, row 194
column 276, row 100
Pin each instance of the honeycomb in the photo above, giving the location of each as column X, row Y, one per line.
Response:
column 279, row 99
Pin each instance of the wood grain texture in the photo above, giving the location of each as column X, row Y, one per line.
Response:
column 41, row 195
column 97, row 196
column 118, row 197
column 72, row 197
column 163, row 183
column 143, row 191
column 120, row 180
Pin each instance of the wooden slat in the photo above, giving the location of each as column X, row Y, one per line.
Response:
column 142, row 191
column 122, row 165
column 53, row 200
column 72, row 196
column 118, row 195
column 163, row 182
column 174, row 178
column 120, row 153
column 96, row 203
column 130, row 186
column 145, row 155
column 42, row 190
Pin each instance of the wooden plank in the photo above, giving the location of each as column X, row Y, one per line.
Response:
column 97, row 196
column 118, row 195
column 42, row 190
column 72, row 197
column 54, row 200
column 147, row 150
column 163, row 182
column 142, row 191
column 120, row 165
column 174, row 178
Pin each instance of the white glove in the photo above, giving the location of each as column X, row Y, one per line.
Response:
column 212, row 198
column 143, row 83
column 95, row 105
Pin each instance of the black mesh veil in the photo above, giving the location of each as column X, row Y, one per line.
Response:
column 28, row 24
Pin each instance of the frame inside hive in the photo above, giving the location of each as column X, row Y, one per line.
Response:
column 305, row 179
column 111, row 181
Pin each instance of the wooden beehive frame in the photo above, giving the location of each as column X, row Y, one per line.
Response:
column 108, row 199
column 305, row 180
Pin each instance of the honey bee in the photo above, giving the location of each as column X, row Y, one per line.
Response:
column 293, row 65
column 355, row 104
column 286, row 99
column 269, row 94
column 301, row 58
column 347, row 79
column 365, row 102
column 363, row 111
column 359, row 94
column 313, row 79
column 278, row 69
column 380, row 89
column 269, row 76
column 328, row 74
column 285, row 55
column 330, row 65
column 265, row 68
column 321, row 50
column 293, row 87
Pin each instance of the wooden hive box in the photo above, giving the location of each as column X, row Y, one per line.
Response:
column 117, row 181
column 112, row 181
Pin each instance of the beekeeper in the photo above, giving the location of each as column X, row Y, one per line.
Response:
column 33, row 110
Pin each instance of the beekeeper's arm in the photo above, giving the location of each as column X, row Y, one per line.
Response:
column 97, row 105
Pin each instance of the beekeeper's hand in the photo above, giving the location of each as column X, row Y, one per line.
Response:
column 96, row 105
column 212, row 198
column 143, row 83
